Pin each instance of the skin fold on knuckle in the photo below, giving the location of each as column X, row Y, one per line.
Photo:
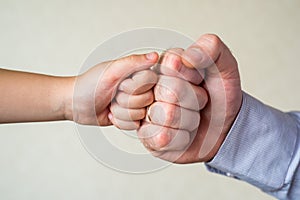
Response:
column 167, row 90
column 154, row 136
column 161, row 140
column 171, row 140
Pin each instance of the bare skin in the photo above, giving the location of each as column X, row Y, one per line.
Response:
column 191, row 117
column 85, row 99
column 222, row 83
column 188, row 118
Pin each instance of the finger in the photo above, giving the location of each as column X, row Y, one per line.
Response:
column 161, row 138
column 124, row 125
column 179, row 92
column 127, row 114
column 171, row 65
column 206, row 51
column 170, row 115
column 139, row 83
column 135, row 101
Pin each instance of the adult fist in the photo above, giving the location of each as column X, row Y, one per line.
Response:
column 222, row 83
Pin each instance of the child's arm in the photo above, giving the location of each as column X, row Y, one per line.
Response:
column 33, row 97
column 85, row 99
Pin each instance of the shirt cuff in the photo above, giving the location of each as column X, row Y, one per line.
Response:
column 260, row 148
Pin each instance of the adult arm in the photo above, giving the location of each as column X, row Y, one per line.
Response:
column 237, row 135
column 263, row 149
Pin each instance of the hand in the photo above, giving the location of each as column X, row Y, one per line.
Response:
column 95, row 89
column 134, row 95
column 222, row 83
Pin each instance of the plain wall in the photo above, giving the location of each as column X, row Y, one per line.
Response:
column 47, row 160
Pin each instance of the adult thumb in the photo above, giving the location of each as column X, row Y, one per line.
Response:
column 211, row 54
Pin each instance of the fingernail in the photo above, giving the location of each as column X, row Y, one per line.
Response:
column 151, row 56
column 193, row 56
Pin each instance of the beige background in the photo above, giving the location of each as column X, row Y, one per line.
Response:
column 47, row 161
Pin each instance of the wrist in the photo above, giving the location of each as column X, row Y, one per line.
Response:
column 229, row 122
column 67, row 94
column 233, row 110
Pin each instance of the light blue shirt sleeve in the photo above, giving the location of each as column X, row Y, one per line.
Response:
column 263, row 149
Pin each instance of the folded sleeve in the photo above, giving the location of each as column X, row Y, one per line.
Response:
column 263, row 149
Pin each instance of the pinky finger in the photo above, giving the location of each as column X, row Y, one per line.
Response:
column 124, row 125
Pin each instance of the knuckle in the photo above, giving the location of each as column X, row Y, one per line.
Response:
column 135, row 125
column 113, row 109
column 131, row 126
column 202, row 98
column 117, row 111
column 138, row 114
column 169, row 114
column 174, row 52
column 131, row 58
column 120, row 98
column 142, row 113
column 172, row 61
column 214, row 39
column 181, row 139
column 168, row 89
column 126, row 86
column 162, row 139
column 116, row 124
column 195, row 122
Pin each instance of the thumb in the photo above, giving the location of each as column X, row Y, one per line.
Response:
column 222, row 83
column 119, row 69
column 211, row 54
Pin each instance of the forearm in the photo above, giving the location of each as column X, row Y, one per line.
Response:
column 28, row 97
column 263, row 149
